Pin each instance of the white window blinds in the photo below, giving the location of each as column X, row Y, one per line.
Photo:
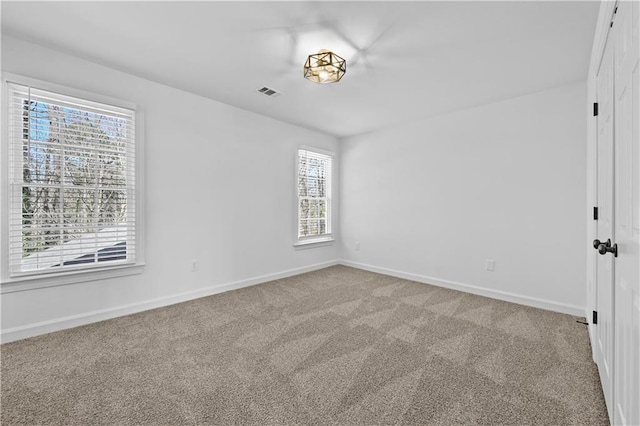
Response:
column 72, row 183
column 314, row 194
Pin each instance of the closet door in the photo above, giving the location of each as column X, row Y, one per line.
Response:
column 605, row 262
column 627, row 214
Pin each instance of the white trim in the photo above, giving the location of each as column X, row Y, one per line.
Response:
column 140, row 187
column 592, row 333
column 468, row 288
column 315, row 242
column 605, row 15
column 31, row 330
column 10, row 283
column 602, row 31
column 4, row 181
column 316, row 150
column 31, row 282
column 299, row 242
column 67, row 91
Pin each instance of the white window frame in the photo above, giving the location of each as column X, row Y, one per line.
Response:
column 9, row 283
column 326, row 238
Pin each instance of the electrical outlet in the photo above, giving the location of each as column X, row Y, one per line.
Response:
column 195, row 265
column 357, row 246
column 490, row 265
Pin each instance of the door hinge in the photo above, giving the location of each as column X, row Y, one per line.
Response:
column 595, row 109
column 594, row 320
column 595, row 213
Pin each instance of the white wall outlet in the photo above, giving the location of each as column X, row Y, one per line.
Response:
column 490, row 265
column 357, row 246
column 195, row 265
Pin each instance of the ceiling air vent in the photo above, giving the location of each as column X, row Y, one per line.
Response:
column 267, row 91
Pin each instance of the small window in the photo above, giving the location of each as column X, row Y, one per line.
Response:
column 72, row 183
column 314, row 196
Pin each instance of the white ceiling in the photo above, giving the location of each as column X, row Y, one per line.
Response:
column 405, row 60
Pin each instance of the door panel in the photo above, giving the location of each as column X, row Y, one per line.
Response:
column 604, row 264
column 627, row 229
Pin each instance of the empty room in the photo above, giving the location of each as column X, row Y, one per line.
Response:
column 320, row 212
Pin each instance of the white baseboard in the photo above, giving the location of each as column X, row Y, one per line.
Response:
column 592, row 337
column 468, row 288
column 36, row 329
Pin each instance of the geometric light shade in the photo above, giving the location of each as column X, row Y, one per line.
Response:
column 324, row 67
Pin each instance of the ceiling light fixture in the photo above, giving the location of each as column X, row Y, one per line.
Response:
column 324, row 67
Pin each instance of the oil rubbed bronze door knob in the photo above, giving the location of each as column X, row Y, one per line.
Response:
column 608, row 248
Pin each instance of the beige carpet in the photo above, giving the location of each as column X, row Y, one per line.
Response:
column 335, row 346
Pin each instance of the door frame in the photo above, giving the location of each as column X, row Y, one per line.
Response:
column 603, row 32
column 605, row 16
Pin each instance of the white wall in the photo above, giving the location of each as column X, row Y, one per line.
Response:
column 220, row 187
column 431, row 200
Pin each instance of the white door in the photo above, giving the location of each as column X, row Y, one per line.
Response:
column 604, row 265
column 627, row 215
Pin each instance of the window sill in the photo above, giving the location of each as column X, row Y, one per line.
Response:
column 26, row 283
column 316, row 242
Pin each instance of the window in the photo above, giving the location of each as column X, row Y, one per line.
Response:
column 314, row 196
column 71, row 202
